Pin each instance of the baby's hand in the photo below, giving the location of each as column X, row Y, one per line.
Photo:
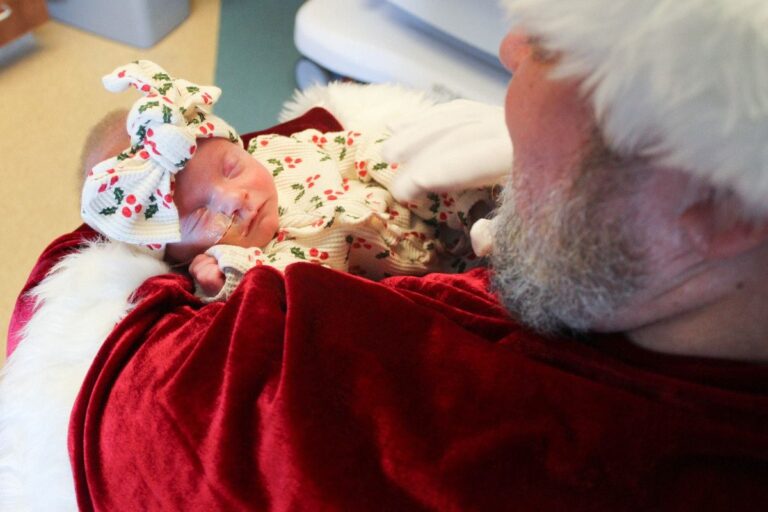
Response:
column 205, row 270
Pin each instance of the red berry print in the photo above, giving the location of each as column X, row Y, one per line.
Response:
column 126, row 211
column 145, row 87
column 137, row 208
column 361, row 242
column 192, row 150
column 102, row 187
column 263, row 142
column 314, row 252
column 144, row 154
column 332, row 195
column 351, row 137
column 121, row 74
column 311, row 180
column 113, row 180
column 323, row 255
column 131, row 199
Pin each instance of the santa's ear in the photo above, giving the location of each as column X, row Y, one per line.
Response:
column 717, row 233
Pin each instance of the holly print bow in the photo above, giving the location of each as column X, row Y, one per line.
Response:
column 129, row 197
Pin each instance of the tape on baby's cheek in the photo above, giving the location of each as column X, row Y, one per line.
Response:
column 206, row 231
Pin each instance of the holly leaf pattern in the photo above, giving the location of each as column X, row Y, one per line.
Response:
column 340, row 139
column 382, row 255
column 164, row 88
column 381, row 165
column 108, row 211
column 148, row 105
column 278, row 166
column 296, row 251
column 435, row 202
column 119, row 195
column 161, row 76
column 167, row 114
column 298, row 186
column 193, row 89
column 150, row 211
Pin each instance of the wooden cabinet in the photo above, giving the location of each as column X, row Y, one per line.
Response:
column 17, row 17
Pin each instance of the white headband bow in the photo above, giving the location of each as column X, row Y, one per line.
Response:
column 129, row 197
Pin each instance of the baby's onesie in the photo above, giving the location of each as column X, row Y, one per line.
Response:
column 335, row 209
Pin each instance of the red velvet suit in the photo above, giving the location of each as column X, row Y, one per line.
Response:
column 317, row 390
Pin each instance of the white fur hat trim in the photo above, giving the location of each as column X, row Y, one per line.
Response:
column 683, row 80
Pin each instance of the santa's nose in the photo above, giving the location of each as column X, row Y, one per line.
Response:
column 514, row 48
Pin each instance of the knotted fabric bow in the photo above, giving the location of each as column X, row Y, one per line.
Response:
column 129, row 197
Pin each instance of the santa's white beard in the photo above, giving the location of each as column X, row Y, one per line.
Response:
column 572, row 261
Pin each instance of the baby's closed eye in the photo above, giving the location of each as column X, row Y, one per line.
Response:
column 232, row 168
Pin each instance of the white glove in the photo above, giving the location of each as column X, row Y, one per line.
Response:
column 481, row 236
column 452, row 146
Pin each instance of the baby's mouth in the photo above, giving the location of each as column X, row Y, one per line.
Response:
column 250, row 222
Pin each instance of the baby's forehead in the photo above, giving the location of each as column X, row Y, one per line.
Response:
column 193, row 183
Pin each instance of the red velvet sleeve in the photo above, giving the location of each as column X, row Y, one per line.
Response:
column 318, row 390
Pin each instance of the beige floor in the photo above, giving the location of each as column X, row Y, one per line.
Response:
column 49, row 98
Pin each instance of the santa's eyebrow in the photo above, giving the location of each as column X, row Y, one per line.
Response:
column 539, row 52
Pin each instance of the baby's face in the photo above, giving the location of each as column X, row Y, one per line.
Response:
column 224, row 196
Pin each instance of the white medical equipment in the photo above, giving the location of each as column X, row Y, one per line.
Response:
column 448, row 47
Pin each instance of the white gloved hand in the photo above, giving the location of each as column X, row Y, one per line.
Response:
column 481, row 236
column 452, row 146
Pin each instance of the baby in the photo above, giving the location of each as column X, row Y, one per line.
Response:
column 187, row 189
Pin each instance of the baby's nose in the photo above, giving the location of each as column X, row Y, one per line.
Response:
column 230, row 201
